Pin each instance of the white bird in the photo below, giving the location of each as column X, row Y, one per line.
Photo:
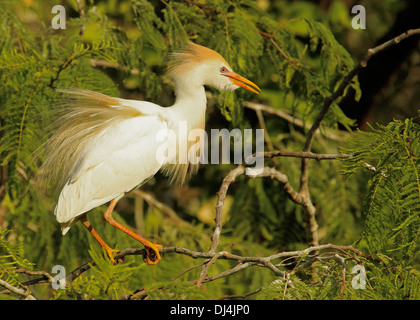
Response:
column 106, row 146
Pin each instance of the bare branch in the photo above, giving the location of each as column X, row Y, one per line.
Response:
column 372, row 168
column 336, row 135
column 292, row 61
column 114, row 65
column 82, row 16
column 284, row 180
column 16, row 290
column 242, row 296
column 168, row 211
column 221, row 196
column 276, row 112
column 296, row 197
column 303, row 154
column 266, row 134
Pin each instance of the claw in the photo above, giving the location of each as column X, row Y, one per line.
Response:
column 152, row 255
column 111, row 253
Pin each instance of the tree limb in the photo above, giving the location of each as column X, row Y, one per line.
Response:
column 221, row 196
column 18, row 291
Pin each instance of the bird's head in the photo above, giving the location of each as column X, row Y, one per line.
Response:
column 198, row 65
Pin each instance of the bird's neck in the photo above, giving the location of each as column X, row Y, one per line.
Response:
column 190, row 104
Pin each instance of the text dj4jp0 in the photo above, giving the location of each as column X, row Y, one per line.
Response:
column 231, row 310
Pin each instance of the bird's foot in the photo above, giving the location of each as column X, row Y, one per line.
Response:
column 111, row 254
column 152, row 255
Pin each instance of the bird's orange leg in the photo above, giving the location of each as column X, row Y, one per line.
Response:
column 110, row 252
column 152, row 252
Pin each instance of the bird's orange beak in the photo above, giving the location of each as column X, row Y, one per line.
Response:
column 241, row 81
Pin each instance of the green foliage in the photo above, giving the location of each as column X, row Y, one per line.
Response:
column 391, row 206
column 176, row 291
column 382, row 283
column 107, row 280
column 11, row 258
column 392, row 203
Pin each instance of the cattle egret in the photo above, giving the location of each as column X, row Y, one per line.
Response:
column 105, row 147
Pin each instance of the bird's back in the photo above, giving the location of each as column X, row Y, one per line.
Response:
column 107, row 157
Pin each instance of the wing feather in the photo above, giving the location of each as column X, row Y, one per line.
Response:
column 85, row 115
column 118, row 160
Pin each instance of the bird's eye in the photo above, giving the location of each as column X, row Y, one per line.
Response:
column 223, row 69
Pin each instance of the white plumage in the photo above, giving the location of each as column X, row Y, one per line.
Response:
column 115, row 162
column 105, row 146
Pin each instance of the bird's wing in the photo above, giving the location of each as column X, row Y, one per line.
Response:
column 116, row 162
column 116, row 159
column 85, row 116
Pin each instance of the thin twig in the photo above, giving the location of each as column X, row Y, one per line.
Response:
column 277, row 112
column 373, row 169
column 241, row 296
column 283, row 179
column 303, row 154
column 201, row 5
column 82, row 16
column 239, row 267
column 296, row 197
column 168, row 211
column 336, row 135
column 114, row 65
column 187, row 270
column 266, row 134
column 18, row 291
column 271, row 38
